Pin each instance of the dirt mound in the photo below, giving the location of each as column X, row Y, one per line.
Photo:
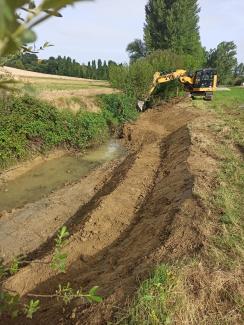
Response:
column 146, row 213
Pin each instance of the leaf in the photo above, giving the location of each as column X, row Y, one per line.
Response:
column 14, row 4
column 28, row 36
column 93, row 290
column 96, row 299
column 53, row 13
column 14, row 267
column 46, row 44
column 6, row 15
column 31, row 308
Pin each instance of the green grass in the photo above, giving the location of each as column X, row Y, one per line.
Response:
column 229, row 196
column 30, row 126
column 152, row 300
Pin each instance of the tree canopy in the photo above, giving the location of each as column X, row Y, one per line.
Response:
column 223, row 58
column 173, row 24
column 136, row 50
column 170, row 25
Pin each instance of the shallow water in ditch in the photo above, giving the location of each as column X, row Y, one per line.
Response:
column 53, row 174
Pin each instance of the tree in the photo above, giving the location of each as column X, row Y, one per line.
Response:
column 136, row 50
column 99, row 73
column 223, row 58
column 239, row 70
column 173, row 25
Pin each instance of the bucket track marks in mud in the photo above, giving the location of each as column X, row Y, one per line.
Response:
column 144, row 214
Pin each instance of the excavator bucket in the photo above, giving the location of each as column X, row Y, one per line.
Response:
column 141, row 105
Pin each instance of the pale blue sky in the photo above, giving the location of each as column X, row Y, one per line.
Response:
column 103, row 28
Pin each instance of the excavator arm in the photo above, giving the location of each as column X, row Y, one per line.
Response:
column 160, row 78
column 203, row 83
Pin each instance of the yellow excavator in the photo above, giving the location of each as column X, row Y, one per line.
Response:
column 202, row 83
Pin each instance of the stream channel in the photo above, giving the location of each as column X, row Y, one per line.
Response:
column 53, row 174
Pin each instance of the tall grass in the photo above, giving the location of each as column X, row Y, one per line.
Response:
column 151, row 305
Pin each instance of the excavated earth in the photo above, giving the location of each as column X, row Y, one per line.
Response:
column 145, row 212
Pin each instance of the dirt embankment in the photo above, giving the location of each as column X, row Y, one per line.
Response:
column 147, row 211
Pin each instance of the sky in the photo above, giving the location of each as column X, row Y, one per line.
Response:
column 103, row 28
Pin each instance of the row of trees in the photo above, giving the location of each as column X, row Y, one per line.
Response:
column 61, row 66
column 174, row 25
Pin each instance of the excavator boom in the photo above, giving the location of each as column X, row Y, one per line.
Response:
column 202, row 83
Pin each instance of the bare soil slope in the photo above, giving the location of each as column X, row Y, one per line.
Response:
column 148, row 211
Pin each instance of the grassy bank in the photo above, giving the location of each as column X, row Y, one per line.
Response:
column 207, row 289
column 29, row 126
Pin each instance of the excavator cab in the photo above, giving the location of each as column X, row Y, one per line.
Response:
column 204, row 83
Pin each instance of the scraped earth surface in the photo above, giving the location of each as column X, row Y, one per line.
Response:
column 147, row 210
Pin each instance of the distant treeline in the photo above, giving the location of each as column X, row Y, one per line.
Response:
column 62, row 66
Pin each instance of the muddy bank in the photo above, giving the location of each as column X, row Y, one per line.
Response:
column 43, row 194
column 146, row 212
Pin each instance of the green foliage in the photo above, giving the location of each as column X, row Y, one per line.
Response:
column 238, row 75
column 14, row 267
column 223, row 58
column 61, row 237
column 60, row 66
column 119, row 108
column 92, row 295
column 16, row 31
column 136, row 50
column 151, row 303
column 31, row 308
column 67, row 294
column 227, row 246
column 59, row 258
column 173, row 25
column 10, row 303
column 136, row 79
column 28, row 125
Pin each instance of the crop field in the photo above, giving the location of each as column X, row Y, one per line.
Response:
column 63, row 92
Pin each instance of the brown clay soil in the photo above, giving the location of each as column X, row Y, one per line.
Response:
column 146, row 211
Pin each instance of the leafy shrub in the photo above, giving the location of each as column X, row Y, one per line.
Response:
column 91, row 128
column 119, row 108
column 136, row 79
column 28, row 125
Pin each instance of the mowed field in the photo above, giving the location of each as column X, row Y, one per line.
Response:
column 62, row 91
